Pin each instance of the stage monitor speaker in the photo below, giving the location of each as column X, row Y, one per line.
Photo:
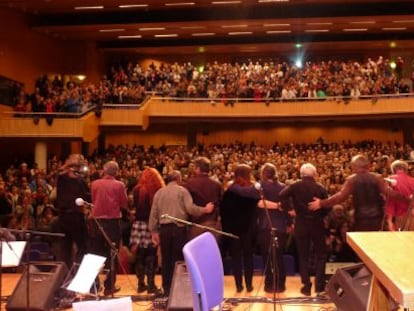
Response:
column 181, row 297
column 349, row 287
column 45, row 279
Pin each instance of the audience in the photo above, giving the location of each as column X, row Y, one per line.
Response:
column 22, row 207
column 226, row 82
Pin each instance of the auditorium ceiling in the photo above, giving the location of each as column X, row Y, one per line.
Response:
column 173, row 27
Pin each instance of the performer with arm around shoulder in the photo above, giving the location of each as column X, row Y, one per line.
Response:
column 309, row 226
column 141, row 241
column 239, row 217
column 175, row 201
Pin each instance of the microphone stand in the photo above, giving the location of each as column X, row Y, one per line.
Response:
column 199, row 226
column 273, row 247
column 114, row 251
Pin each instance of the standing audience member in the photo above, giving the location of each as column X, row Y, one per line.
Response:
column 141, row 241
column 309, row 227
column 398, row 213
column 109, row 196
column 337, row 224
column 6, row 206
column 70, row 185
column 203, row 189
column 175, row 201
column 278, row 221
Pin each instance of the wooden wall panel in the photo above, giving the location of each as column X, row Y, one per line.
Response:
column 173, row 134
column 265, row 133
column 26, row 54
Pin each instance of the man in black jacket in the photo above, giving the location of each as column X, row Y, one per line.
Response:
column 309, row 228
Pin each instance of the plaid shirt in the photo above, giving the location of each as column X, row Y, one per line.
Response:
column 140, row 235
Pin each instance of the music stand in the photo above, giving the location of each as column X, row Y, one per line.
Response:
column 10, row 255
column 84, row 278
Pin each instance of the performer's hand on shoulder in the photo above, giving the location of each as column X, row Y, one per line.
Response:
column 315, row 204
column 209, row 208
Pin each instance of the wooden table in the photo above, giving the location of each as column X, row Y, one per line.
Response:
column 390, row 258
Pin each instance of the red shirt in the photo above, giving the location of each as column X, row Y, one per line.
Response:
column 108, row 197
column 405, row 186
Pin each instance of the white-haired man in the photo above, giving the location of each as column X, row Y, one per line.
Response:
column 309, row 227
column 397, row 212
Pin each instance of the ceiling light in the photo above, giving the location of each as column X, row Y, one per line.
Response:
column 97, row 7
column 130, row 6
column 319, row 24
column 112, row 30
column 234, row 26
column 278, row 31
column 130, row 37
column 404, row 21
column 355, row 29
column 203, row 34
column 179, row 4
column 152, row 28
column 225, row 2
column 239, row 33
column 363, row 22
column 166, row 35
column 317, row 30
column 394, row 28
column 276, row 25
column 192, row 27
column 268, row 1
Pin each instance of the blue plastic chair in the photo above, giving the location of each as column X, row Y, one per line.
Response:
column 205, row 269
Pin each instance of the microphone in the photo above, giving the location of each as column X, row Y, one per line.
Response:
column 81, row 202
column 258, row 187
column 393, row 182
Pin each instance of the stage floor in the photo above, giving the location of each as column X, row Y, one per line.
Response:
column 257, row 300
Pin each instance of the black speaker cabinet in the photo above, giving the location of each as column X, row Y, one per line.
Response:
column 349, row 288
column 181, row 298
column 45, row 279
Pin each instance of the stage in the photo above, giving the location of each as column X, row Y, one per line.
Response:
column 258, row 300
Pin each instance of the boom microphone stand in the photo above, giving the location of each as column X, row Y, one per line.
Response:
column 186, row 222
column 114, row 251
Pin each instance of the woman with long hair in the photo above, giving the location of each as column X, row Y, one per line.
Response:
column 141, row 243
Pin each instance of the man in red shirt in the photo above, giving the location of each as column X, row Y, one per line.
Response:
column 109, row 196
column 397, row 212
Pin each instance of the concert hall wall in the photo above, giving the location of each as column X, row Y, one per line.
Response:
column 265, row 133
column 26, row 54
